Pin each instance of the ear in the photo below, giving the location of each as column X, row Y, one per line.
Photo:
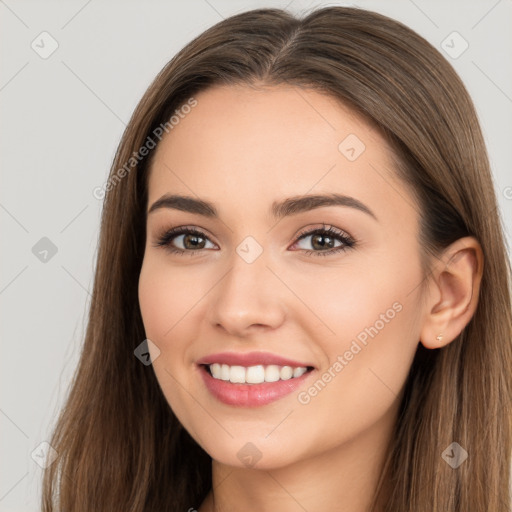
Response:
column 452, row 294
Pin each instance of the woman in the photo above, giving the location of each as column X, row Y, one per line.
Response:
column 249, row 374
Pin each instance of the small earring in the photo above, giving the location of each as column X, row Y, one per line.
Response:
column 439, row 337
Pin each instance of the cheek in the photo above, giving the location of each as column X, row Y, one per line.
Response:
column 354, row 300
column 365, row 319
column 359, row 387
column 155, row 306
column 166, row 297
column 165, row 303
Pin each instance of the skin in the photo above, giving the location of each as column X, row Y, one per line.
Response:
column 243, row 148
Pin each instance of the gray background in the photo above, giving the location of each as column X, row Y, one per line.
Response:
column 62, row 119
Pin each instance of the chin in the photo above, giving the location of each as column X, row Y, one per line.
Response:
column 255, row 452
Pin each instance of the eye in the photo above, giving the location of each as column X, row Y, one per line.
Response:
column 194, row 240
column 326, row 237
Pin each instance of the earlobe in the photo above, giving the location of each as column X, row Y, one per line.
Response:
column 453, row 291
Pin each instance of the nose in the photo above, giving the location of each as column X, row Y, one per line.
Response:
column 248, row 299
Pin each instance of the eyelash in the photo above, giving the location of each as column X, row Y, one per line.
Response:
column 348, row 242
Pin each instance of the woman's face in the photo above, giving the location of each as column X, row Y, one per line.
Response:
column 259, row 284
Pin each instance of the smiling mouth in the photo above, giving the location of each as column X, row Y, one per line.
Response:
column 257, row 374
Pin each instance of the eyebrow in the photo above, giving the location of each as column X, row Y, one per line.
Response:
column 279, row 209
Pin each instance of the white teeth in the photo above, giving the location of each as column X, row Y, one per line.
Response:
column 215, row 368
column 224, row 372
column 237, row 374
column 272, row 373
column 286, row 372
column 297, row 372
column 255, row 374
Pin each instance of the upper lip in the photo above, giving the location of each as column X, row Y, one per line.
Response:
column 250, row 359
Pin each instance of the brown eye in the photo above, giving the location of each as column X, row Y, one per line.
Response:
column 326, row 241
column 190, row 239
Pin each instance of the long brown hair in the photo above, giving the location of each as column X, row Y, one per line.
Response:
column 119, row 445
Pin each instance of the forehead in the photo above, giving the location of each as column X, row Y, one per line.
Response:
column 245, row 146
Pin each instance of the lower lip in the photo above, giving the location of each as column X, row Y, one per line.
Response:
column 251, row 395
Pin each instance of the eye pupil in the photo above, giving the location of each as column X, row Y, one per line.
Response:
column 329, row 244
column 194, row 241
